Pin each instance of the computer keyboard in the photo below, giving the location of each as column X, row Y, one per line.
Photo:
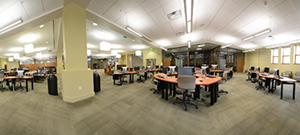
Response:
column 211, row 76
column 160, row 76
column 279, row 77
column 264, row 74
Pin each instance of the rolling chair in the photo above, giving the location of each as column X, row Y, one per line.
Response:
column 224, row 80
column 186, row 84
column 155, row 82
column 141, row 74
column 20, row 74
column 2, row 79
column 260, row 82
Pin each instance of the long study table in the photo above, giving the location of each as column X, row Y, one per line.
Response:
column 13, row 78
column 211, row 82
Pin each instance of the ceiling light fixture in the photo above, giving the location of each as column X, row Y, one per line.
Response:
column 89, row 52
column 28, row 48
column 257, row 34
column 105, row 46
column 247, row 38
column 114, row 52
column 189, row 44
column 138, row 53
column 10, row 59
column 251, row 50
column 188, row 7
column 42, row 26
column 118, row 56
column 28, row 38
column 39, row 55
column 16, row 56
column 133, row 31
column 224, row 46
column 11, row 24
column 95, row 24
column 164, row 48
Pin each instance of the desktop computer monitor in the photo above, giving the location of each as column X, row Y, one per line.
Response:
column 136, row 68
column 258, row 69
column 252, row 68
column 276, row 72
column 148, row 67
column 124, row 69
column 185, row 71
column 157, row 67
column 165, row 70
column 161, row 67
column 207, row 70
column 266, row 70
column 172, row 68
column 203, row 69
column 20, row 73
column 214, row 66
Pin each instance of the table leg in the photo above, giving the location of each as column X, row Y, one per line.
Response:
column 162, row 89
column 294, row 91
column 167, row 96
column 32, row 84
column 281, row 91
column 26, row 85
column 212, row 93
column 174, row 89
column 130, row 78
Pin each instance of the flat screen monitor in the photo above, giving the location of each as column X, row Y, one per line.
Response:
column 157, row 67
column 172, row 68
column 252, row 68
column 185, row 71
column 207, row 70
column 258, row 69
column 136, row 68
column 214, row 66
column 165, row 70
column 276, row 72
column 148, row 67
column 266, row 70
column 20, row 73
column 161, row 67
column 124, row 69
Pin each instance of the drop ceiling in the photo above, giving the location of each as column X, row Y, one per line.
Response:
column 218, row 22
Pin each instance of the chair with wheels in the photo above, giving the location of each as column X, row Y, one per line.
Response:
column 260, row 82
column 186, row 85
column 155, row 82
column 224, row 80
column 2, row 79
column 141, row 74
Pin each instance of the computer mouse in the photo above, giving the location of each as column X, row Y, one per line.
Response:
column 201, row 80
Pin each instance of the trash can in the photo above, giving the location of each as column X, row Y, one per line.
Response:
column 97, row 82
column 52, row 84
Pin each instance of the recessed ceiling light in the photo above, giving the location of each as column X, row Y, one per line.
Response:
column 16, row 49
column 47, row 42
column 133, row 40
column 133, row 31
column 42, row 26
column 28, row 38
column 95, row 24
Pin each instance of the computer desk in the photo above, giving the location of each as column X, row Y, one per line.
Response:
column 130, row 73
column 211, row 82
column 284, row 80
column 13, row 78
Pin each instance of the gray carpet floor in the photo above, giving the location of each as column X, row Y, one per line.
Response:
column 133, row 109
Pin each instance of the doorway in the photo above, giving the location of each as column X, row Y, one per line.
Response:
column 239, row 65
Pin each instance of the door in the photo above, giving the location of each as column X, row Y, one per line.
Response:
column 240, row 65
column 166, row 61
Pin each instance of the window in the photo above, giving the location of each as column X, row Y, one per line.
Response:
column 297, row 54
column 274, row 56
column 285, row 53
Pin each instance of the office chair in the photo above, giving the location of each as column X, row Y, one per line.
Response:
column 141, row 74
column 2, row 79
column 197, row 70
column 186, row 84
column 260, row 82
column 155, row 82
column 224, row 80
column 20, row 74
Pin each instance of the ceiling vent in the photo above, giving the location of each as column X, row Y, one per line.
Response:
column 179, row 33
column 174, row 15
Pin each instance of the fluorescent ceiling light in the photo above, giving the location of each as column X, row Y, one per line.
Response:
column 247, row 38
column 199, row 49
column 28, row 48
column 95, row 24
column 16, row 56
column 138, row 53
column 16, row 49
column 133, row 31
column 28, row 38
column 251, row 50
column 11, row 25
column 226, row 46
column 40, row 49
column 42, row 26
column 139, row 47
column 104, row 46
column 89, row 52
column 113, row 52
column 47, row 42
column 189, row 27
column 189, row 44
column 10, row 59
column 164, row 48
column 118, row 56
column 188, row 9
column 263, row 32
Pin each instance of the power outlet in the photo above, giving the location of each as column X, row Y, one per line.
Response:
column 79, row 88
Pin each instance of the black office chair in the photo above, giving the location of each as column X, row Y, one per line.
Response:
column 260, row 82
column 155, row 82
column 141, row 74
column 186, row 85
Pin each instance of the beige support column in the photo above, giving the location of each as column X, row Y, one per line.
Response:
column 59, row 66
column 77, row 80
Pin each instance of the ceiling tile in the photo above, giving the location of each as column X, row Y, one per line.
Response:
column 178, row 25
column 172, row 6
column 129, row 4
column 266, row 8
column 243, row 3
column 275, row 13
column 106, row 3
column 6, row 3
column 232, row 6
column 281, row 21
column 138, row 12
column 158, row 13
column 5, row 18
column 36, row 11
column 287, row 7
column 163, row 2
column 15, row 10
column 277, row 2
column 125, row 20
column 254, row 10
column 115, row 12
column 51, row 4
column 96, row 7
column 150, row 5
column 292, row 17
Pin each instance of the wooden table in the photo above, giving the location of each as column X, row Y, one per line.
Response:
column 211, row 82
column 13, row 78
column 130, row 73
column 283, row 80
